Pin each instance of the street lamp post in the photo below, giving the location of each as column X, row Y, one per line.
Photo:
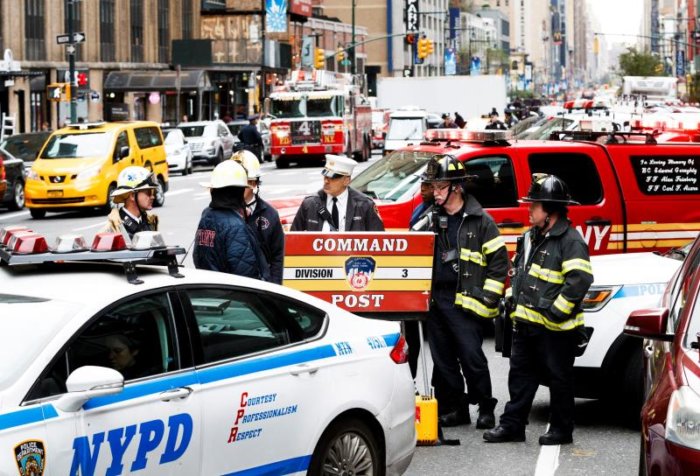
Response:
column 353, row 55
column 71, row 63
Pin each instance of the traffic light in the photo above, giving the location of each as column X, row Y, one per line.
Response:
column 58, row 92
column 82, row 80
column 422, row 48
column 430, row 48
column 319, row 58
column 410, row 39
column 340, row 55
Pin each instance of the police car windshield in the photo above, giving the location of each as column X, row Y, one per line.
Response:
column 27, row 320
column 78, row 146
column 393, row 178
column 405, row 128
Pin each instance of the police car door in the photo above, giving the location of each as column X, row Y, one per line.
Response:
column 258, row 379
column 153, row 425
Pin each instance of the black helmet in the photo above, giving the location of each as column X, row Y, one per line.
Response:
column 444, row 168
column 548, row 188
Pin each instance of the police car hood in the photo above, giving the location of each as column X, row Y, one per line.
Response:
column 632, row 268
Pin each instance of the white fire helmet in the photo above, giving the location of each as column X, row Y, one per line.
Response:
column 228, row 173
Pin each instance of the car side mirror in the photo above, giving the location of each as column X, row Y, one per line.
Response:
column 124, row 152
column 649, row 324
column 88, row 382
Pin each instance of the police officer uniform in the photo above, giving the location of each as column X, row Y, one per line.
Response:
column 551, row 276
column 470, row 267
column 354, row 211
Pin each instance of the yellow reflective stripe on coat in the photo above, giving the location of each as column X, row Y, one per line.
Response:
column 545, row 274
column 493, row 286
column 493, row 245
column 577, row 263
column 469, row 303
column 530, row 315
column 474, row 256
column 563, row 305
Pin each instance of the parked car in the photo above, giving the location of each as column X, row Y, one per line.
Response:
column 12, row 175
column 206, row 374
column 210, row 141
column 670, row 417
column 177, row 151
column 25, row 146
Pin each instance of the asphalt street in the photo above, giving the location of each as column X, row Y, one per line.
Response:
column 601, row 444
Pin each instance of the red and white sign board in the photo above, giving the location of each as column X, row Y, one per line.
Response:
column 362, row 272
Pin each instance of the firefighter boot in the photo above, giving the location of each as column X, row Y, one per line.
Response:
column 459, row 414
column 486, row 419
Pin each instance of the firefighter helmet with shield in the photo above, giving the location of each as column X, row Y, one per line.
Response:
column 132, row 179
column 548, row 188
column 228, row 173
column 444, row 168
column 249, row 162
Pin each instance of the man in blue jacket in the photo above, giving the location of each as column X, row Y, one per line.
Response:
column 262, row 218
column 224, row 242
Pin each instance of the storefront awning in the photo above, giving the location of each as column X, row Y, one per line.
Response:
column 125, row 81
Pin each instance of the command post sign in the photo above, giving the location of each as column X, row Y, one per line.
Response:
column 362, row 272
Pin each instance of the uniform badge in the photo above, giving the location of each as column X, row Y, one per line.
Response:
column 31, row 458
column 263, row 223
column 359, row 272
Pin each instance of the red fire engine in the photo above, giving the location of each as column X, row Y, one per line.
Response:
column 318, row 113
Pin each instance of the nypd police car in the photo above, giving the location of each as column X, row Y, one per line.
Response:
column 137, row 365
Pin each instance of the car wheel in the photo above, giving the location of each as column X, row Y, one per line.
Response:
column 148, row 166
column 159, row 199
column 107, row 207
column 642, row 457
column 37, row 213
column 632, row 388
column 282, row 163
column 348, row 446
column 189, row 161
column 185, row 170
column 17, row 202
column 219, row 157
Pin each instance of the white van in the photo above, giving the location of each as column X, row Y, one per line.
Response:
column 406, row 127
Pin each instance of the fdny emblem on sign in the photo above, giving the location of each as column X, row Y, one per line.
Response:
column 359, row 271
column 31, row 458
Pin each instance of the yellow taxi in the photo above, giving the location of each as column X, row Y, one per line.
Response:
column 79, row 164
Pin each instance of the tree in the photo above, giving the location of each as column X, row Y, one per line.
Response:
column 635, row 63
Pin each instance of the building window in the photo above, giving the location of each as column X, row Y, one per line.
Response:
column 163, row 31
column 136, row 31
column 34, row 30
column 76, row 24
column 187, row 19
column 107, row 45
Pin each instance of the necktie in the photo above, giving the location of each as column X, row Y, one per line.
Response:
column 334, row 214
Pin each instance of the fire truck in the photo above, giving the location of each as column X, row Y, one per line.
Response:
column 317, row 113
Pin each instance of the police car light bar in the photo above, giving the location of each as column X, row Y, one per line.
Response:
column 70, row 244
column 108, row 242
column 7, row 232
column 28, row 242
column 462, row 135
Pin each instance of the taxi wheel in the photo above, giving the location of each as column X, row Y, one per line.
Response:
column 107, row 207
column 159, row 199
column 17, row 202
column 347, row 447
column 37, row 213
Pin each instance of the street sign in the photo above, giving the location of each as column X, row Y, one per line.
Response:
column 307, row 51
column 64, row 39
column 412, row 16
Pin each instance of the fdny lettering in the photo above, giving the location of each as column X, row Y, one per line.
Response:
column 313, row 273
column 353, row 301
column 355, row 245
column 596, row 232
column 342, row 348
column 376, row 343
column 206, row 238
column 151, row 433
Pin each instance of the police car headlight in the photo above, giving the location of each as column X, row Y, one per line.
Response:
column 597, row 297
column 683, row 418
column 89, row 173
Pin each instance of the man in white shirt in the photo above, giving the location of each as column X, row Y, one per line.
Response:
column 337, row 206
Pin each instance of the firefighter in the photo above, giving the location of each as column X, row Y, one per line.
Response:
column 261, row 217
column 337, row 207
column 470, row 268
column 136, row 188
column 551, row 275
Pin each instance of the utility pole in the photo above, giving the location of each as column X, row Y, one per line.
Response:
column 353, row 55
column 71, row 64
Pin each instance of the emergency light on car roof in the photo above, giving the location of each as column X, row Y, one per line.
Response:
column 108, row 242
column 70, row 244
column 7, row 232
column 28, row 242
column 462, row 135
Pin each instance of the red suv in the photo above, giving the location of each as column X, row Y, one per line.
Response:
column 671, row 413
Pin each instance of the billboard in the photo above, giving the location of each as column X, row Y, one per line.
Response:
column 276, row 16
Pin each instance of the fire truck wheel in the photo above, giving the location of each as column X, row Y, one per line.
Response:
column 282, row 163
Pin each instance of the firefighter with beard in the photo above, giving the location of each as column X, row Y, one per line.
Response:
column 262, row 218
column 470, row 267
column 550, row 277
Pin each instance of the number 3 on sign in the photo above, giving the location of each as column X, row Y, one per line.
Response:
column 404, row 273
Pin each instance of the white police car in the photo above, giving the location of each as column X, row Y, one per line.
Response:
column 611, row 366
column 191, row 373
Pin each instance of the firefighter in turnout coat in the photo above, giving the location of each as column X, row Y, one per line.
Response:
column 469, row 272
column 551, row 276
